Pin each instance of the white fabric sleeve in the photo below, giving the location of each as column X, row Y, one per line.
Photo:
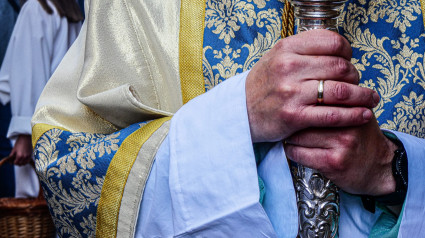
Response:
column 412, row 223
column 204, row 180
column 27, row 65
column 204, row 187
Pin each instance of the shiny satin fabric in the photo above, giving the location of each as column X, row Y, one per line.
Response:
column 115, row 66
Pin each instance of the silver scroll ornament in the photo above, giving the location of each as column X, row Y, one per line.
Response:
column 317, row 196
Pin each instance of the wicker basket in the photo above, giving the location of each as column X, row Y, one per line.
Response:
column 25, row 217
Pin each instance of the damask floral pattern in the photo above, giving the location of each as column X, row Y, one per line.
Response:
column 225, row 15
column 72, row 168
column 393, row 65
column 400, row 13
column 257, row 25
column 409, row 116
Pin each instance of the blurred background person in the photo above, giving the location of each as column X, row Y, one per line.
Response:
column 8, row 13
column 43, row 32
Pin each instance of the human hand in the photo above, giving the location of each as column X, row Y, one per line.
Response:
column 282, row 87
column 22, row 151
column 357, row 159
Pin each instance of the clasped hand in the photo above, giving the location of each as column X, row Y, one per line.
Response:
column 340, row 137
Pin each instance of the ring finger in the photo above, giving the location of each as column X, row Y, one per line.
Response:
column 339, row 93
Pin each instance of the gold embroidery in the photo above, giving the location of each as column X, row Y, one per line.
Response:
column 395, row 70
column 210, row 78
column 410, row 115
column 401, row 13
column 89, row 225
column 262, row 44
column 226, row 15
column 67, row 203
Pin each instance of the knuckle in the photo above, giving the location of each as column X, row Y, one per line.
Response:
column 280, row 45
column 340, row 91
column 342, row 66
column 286, row 64
column 286, row 90
column 336, row 162
column 337, row 43
column 346, row 140
column 356, row 116
column 287, row 115
column 331, row 118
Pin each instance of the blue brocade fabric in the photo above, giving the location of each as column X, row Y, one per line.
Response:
column 388, row 44
column 72, row 168
column 387, row 38
column 237, row 34
column 388, row 50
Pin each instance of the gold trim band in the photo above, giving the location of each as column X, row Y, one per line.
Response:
column 39, row 129
column 116, row 178
column 136, row 182
column 192, row 14
column 422, row 2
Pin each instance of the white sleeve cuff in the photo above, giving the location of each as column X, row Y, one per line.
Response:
column 4, row 92
column 19, row 126
column 414, row 206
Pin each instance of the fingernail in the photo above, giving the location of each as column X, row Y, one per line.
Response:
column 376, row 98
column 367, row 115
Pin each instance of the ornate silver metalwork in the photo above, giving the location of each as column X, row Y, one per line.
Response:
column 317, row 197
column 318, row 204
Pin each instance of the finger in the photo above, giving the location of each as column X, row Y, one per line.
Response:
column 310, row 157
column 340, row 93
column 320, row 42
column 18, row 161
column 319, row 67
column 20, row 158
column 328, row 116
column 324, row 138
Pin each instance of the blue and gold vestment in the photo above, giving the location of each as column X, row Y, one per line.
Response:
column 89, row 139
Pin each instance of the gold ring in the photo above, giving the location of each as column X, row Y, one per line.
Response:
column 320, row 89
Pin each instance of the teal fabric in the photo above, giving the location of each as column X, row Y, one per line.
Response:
column 387, row 225
column 260, row 151
column 262, row 187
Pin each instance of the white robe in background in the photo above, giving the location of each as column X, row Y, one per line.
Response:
column 37, row 45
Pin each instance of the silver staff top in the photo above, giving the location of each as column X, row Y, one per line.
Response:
column 317, row 14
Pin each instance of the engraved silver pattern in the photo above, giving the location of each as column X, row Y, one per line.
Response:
column 318, row 204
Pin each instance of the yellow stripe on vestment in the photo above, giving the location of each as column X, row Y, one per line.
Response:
column 192, row 14
column 423, row 10
column 116, row 178
column 39, row 129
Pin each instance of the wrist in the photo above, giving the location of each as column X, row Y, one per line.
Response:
column 388, row 184
column 394, row 188
column 399, row 174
